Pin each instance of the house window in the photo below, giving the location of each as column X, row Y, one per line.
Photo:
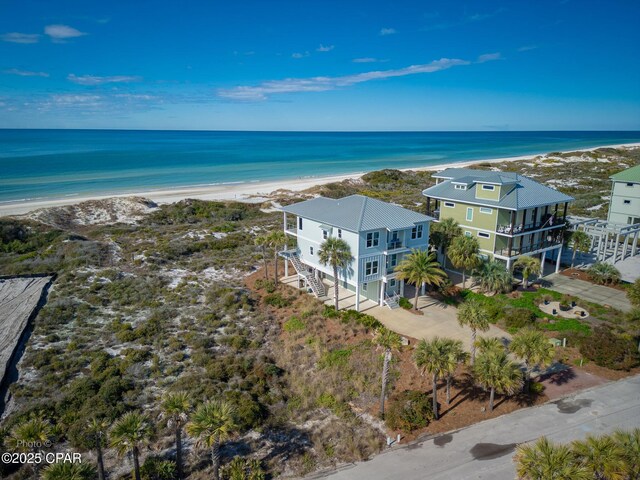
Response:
column 629, row 184
column 449, row 204
column 416, row 232
column 484, row 235
column 364, row 287
column 491, row 188
column 460, row 187
column 469, row 214
column 339, row 233
column 299, row 223
column 392, row 283
column 486, row 210
column 371, row 268
column 393, row 260
column 467, row 233
column 310, row 250
column 533, row 216
column 325, row 234
column 627, row 202
column 373, row 239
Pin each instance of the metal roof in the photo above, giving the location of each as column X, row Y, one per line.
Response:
column 631, row 175
column 356, row 213
column 521, row 191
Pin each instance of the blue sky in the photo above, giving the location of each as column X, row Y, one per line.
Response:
column 320, row 65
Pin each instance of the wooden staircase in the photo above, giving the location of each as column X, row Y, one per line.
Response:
column 392, row 302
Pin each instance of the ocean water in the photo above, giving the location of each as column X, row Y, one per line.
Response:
column 45, row 164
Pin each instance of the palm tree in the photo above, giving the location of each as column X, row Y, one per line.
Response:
column 629, row 442
column 433, row 357
column 420, row 267
column 529, row 266
column 489, row 345
column 212, row 423
column 544, row 460
column 97, row 430
column 68, row 471
column 276, row 239
column 534, row 348
column 262, row 241
column 464, row 253
column 175, row 409
column 128, row 434
column 337, row 253
column 446, row 230
column 603, row 273
column 388, row 340
column 473, row 314
column 455, row 356
column 495, row 371
column 579, row 242
column 493, row 277
column 602, row 456
column 241, row 469
column 27, row 435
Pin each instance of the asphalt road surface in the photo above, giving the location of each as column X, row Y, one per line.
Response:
column 485, row 450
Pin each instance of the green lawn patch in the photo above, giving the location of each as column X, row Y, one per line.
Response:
column 566, row 325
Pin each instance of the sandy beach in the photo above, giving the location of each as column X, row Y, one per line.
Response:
column 249, row 192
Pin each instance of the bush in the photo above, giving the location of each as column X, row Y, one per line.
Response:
column 633, row 293
column 609, row 350
column 155, row 468
column 268, row 285
column 603, row 274
column 276, row 300
column 519, row 318
column 294, row 324
column 536, row 388
column 367, row 321
column 405, row 303
column 409, row 411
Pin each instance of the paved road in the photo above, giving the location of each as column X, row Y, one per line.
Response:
column 588, row 291
column 485, row 450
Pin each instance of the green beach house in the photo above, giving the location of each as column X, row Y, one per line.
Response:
column 625, row 197
column 510, row 214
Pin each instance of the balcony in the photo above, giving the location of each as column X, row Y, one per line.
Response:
column 504, row 252
column 395, row 245
column 530, row 227
column 291, row 229
column 435, row 214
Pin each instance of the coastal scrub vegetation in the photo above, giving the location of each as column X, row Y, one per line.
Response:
column 173, row 304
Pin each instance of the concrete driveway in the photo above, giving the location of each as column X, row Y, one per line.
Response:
column 438, row 319
column 588, row 291
column 485, row 450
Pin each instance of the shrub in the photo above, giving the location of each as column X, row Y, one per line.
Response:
column 294, row 324
column 268, row 285
column 335, row 358
column 409, row 411
column 330, row 312
column 276, row 300
column 609, row 350
column 155, row 468
column 367, row 321
column 633, row 293
column 519, row 318
column 603, row 274
column 536, row 388
column 405, row 303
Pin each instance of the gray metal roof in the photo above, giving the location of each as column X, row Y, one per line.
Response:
column 524, row 192
column 356, row 213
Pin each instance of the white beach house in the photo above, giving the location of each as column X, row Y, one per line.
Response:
column 378, row 233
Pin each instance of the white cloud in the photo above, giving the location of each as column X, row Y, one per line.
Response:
column 300, row 55
column 387, row 31
column 16, row 37
column 60, row 33
column 325, row 48
column 365, row 60
column 25, row 73
column 488, row 57
column 526, row 48
column 94, row 80
column 321, row 84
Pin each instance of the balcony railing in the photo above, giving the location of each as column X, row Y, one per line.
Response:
column 292, row 228
column 395, row 245
column 528, row 227
column 435, row 214
column 532, row 247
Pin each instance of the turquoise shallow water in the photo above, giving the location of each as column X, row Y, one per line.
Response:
column 42, row 164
